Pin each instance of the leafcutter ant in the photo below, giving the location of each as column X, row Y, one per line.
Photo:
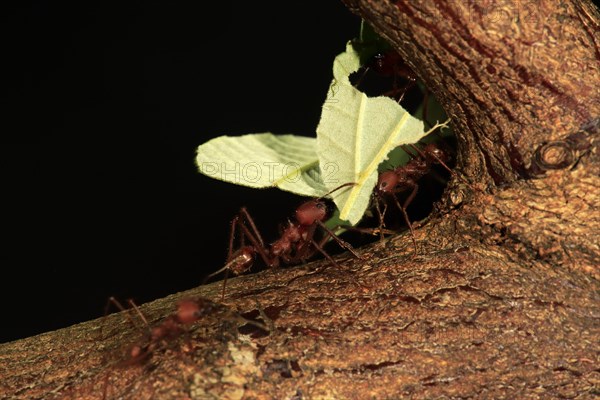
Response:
column 188, row 311
column 389, row 66
column 296, row 243
column 165, row 333
column 405, row 178
column 386, row 74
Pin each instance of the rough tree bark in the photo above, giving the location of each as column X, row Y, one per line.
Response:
column 502, row 300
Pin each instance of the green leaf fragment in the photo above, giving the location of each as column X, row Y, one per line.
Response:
column 264, row 160
column 345, row 64
column 356, row 133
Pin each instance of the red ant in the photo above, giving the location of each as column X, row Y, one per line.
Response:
column 188, row 312
column 295, row 245
column 404, row 178
column 173, row 326
column 388, row 65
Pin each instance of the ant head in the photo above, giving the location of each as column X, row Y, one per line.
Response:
column 188, row 311
column 387, row 182
column 385, row 63
column 311, row 211
column 316, row 210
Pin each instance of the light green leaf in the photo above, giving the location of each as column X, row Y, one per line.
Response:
column 264, row 160
column 355, row 134
column 345, row 64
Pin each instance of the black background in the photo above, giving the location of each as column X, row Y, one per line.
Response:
column 103, row 108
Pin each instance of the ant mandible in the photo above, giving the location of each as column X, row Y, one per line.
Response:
column 404, row 178
column 295, row 245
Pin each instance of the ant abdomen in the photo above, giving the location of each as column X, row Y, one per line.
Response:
column 435, row 154
column 243, row 260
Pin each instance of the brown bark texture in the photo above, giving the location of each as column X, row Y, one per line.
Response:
column 502, row 300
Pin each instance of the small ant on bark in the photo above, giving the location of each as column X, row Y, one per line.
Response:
column 160, row 334
column 164, row 333
column 188, row 311
column 405, row 178
column 296, row 244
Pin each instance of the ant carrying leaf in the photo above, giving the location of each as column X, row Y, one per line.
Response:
column 298, row 241
column 355, row 135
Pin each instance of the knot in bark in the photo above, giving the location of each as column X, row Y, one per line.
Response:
column 565, row 153
column 554, row 155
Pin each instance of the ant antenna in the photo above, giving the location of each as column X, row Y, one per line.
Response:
column 337, row 188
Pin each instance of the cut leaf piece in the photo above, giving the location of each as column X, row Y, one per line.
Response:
column 356, row 134
column 345, row 64
column 264, row 160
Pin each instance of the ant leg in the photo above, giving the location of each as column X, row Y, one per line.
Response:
column 260, row 248
column 234, row 223
column 339, row 241
column 359, row 81
column 368, row 231
column 232, row 258
column 308, row 247
column 225, row 269
column 439, row 160
column 256, row 239
column 381, row 215
column 403, row 209
column 304, row 248
column 137, row 310
column 112, row 300
column 320, row 249
column 403, row 90
column 407, row 150
column 244, row 212
column 224, row 284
